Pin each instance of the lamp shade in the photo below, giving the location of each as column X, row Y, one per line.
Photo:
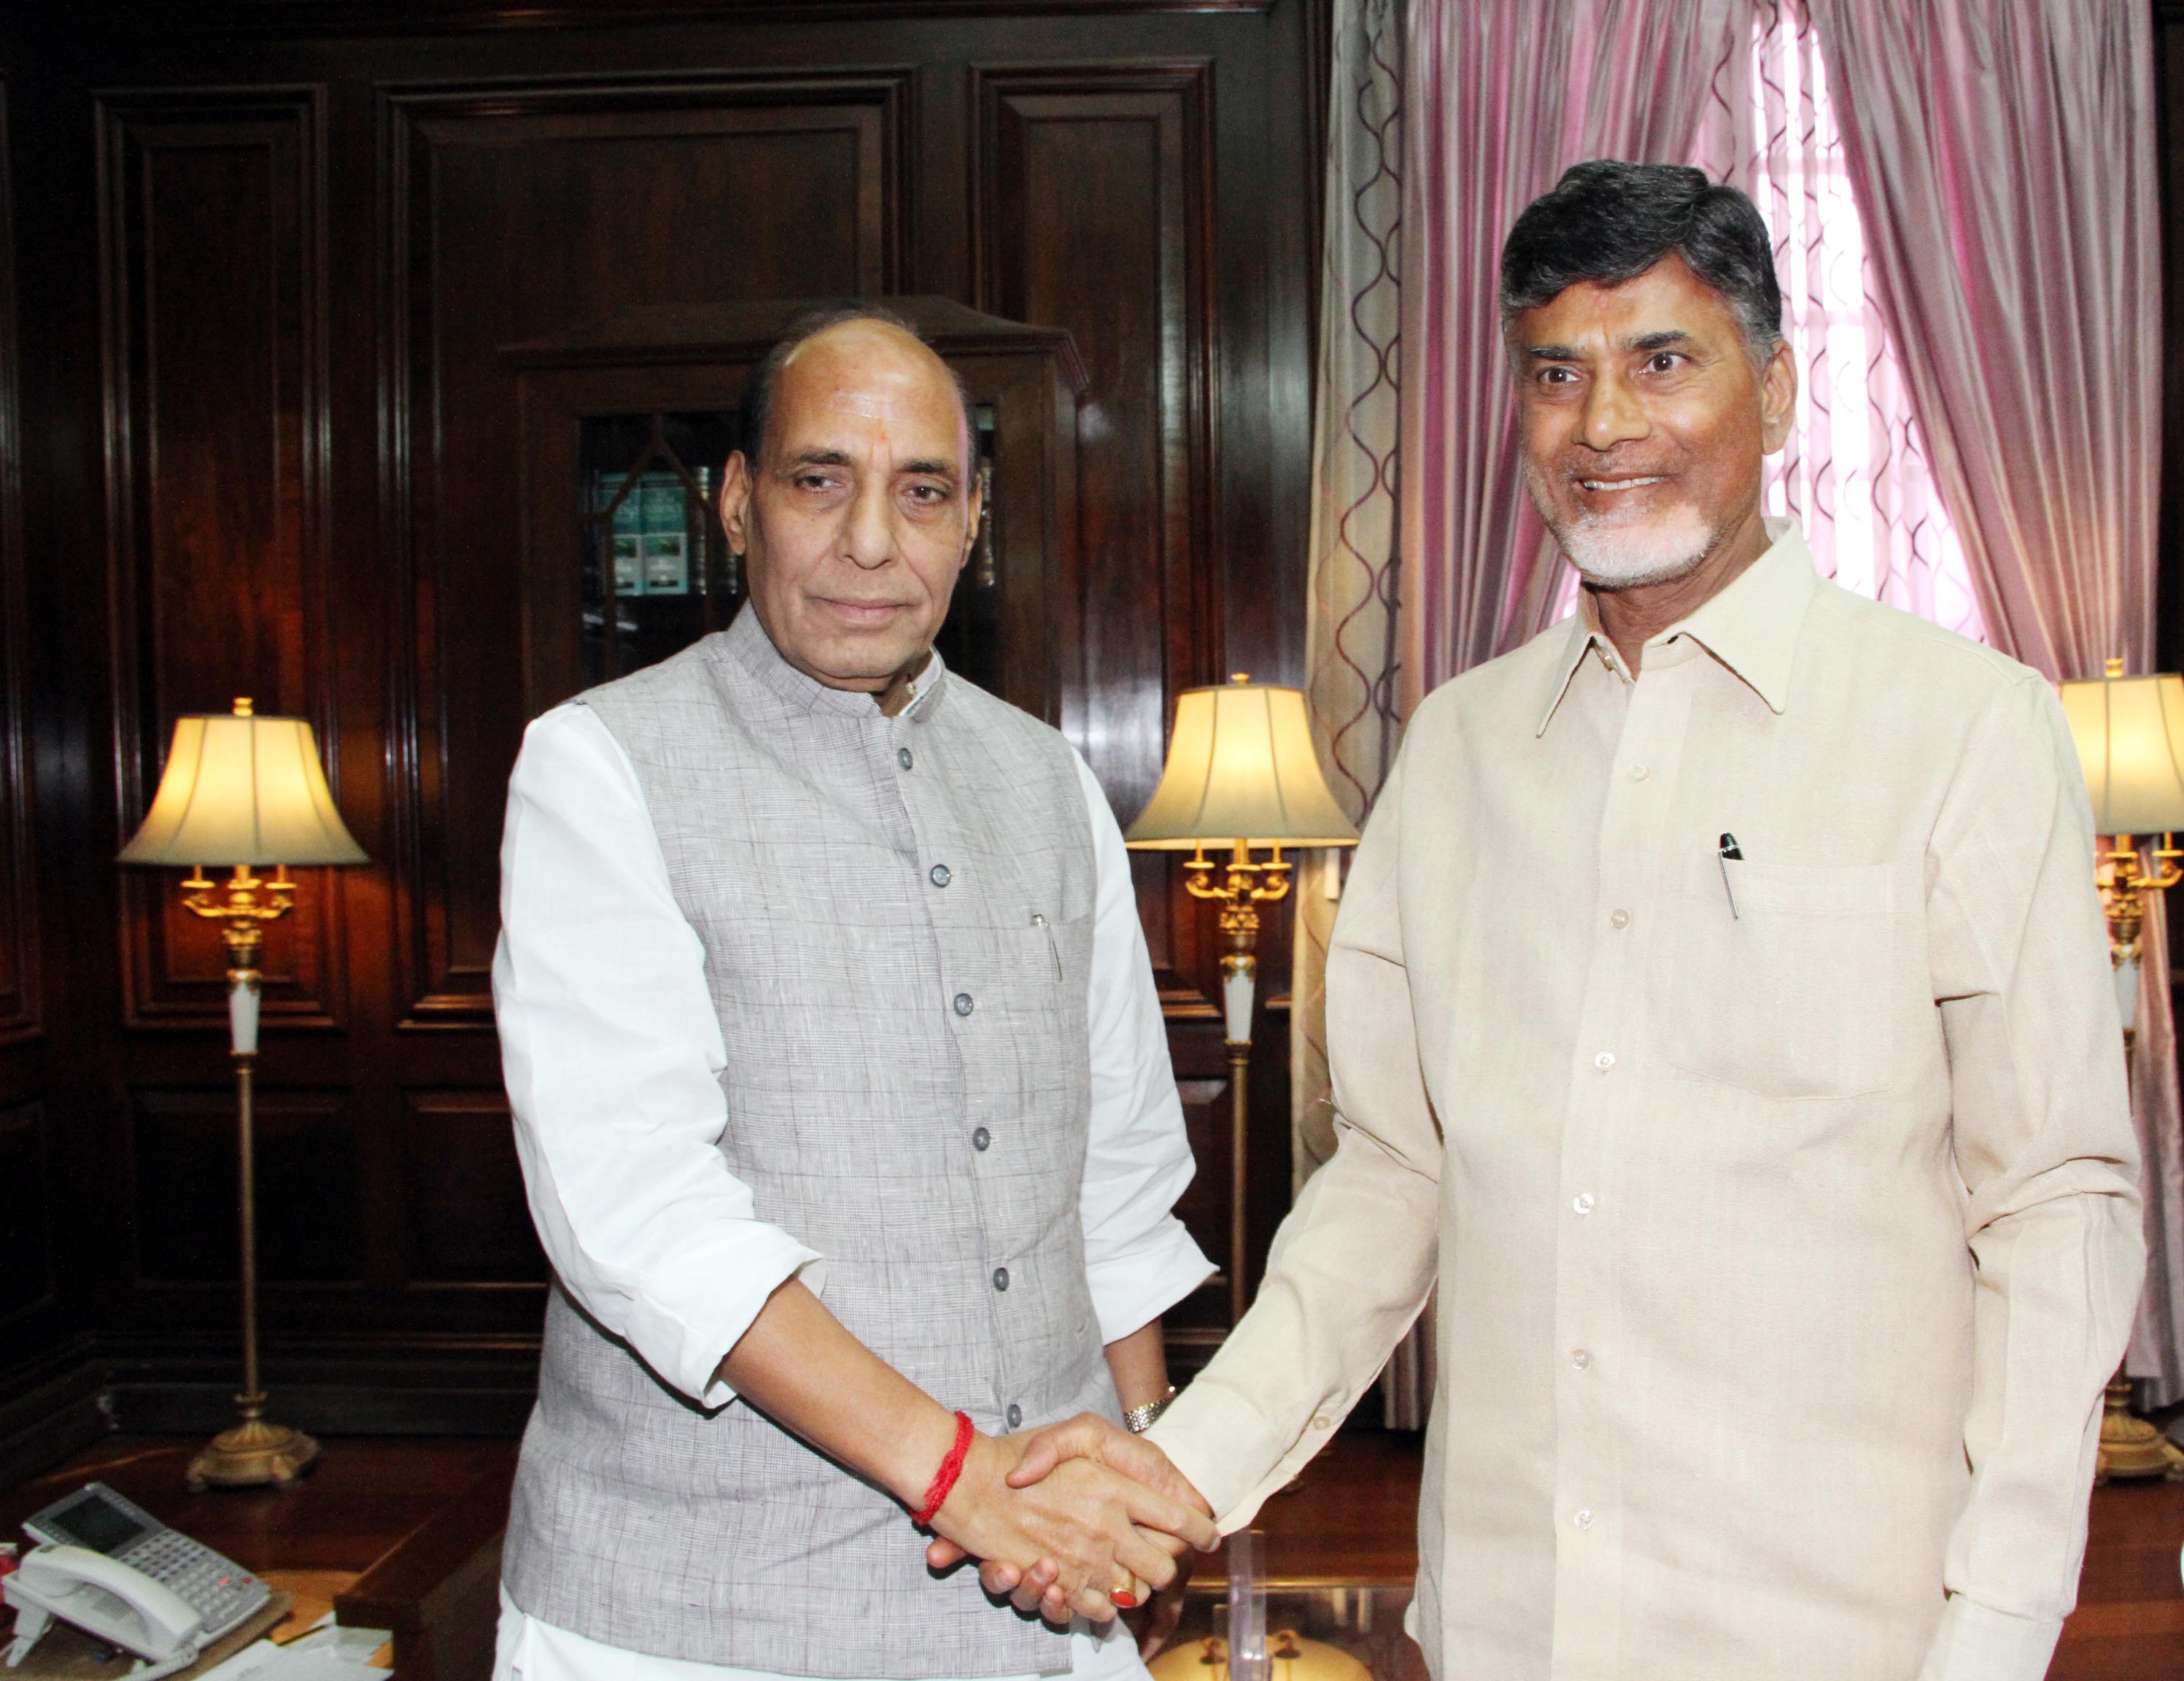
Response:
column 2130, row 732
column 243, row 789
column 1241, row 766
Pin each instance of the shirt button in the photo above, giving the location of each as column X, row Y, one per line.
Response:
column 1583, row 1201
column 1001, row 1278
column 1619, row 920
column 1320, row 1421
column 1604, row 1062
column 1583, row 1517
column 1639, row 772
column 938, row 875
column 1016, row 1415
column 1580, row 1359
column 902, row 758
column 981, row 1139
column 963, row 1005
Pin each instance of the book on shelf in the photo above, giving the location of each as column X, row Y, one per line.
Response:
column 667, row 529
column 625, row 533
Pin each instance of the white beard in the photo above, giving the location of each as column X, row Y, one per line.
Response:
column 1624, row 551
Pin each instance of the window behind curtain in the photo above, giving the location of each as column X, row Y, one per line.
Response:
column 1854, row 473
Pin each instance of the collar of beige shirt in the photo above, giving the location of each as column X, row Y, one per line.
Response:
column 1752, row 627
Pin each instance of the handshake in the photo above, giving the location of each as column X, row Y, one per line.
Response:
column 1075, row 1519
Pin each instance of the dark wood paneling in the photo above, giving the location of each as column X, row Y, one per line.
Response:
column 520, row 212
column 1117, row 159
column 26, row 1255
column 468, row 1222
column 280, row 17
column 215, row 290
column 18, row 947
column 310, row 1227
column 1203, row 1208
column 266, row 398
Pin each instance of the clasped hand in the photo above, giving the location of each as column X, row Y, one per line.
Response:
column 1071, row 1513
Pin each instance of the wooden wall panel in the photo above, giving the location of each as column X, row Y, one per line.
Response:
column 26, row 1252
column 276, row 272
column 213, row 285
column 18, row 949
column 519, row 212
column 467, row 1219
column 311, row 1226
column 1117, row 160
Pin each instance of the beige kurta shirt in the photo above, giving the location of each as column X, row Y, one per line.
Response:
column 1783, row 1246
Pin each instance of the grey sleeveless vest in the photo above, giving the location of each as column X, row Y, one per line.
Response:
column 897, row 917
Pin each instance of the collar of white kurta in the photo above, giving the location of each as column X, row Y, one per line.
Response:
column 1752, row 627
column 746, row 643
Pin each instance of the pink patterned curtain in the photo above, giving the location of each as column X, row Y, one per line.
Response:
column 1504, row 97
column 2004, row 157
column 1350, row 622
column 1350, row 625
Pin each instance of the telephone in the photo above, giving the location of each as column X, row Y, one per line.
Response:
column 104, row 1598
column 112, row 1569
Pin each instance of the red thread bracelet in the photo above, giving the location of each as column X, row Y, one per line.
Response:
column 943, row 1480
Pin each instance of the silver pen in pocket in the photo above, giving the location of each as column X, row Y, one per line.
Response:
column 1729, row 850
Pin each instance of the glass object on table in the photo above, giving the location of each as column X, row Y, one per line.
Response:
column 1322, row 1631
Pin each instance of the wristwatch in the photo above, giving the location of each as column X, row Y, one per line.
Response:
column 1140, row 1419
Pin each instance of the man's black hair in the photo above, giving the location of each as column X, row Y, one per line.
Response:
column 1607, row 221
column 806, row 324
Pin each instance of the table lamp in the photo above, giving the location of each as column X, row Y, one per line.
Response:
column 1241, row 774
column 2130, row 732
column 244, row 790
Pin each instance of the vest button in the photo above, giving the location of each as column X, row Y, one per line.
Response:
column 963, row 1004
column 902, row 758
column 981, row 1139
column 1001, row 1278
column 938, row 875
column 1016, row 1415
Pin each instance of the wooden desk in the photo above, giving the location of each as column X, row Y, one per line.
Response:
column 404, row 1534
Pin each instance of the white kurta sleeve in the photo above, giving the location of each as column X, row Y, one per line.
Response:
column 1137, row 1159
column 612, row 1053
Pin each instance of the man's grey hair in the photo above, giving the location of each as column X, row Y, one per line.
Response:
column 806, row 326
column 1607, row 221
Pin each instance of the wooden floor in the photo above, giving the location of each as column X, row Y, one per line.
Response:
column 1351, row 1518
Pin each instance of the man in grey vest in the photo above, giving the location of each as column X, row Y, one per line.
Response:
column 843, row 1105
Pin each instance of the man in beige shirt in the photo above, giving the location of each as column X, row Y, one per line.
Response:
column 1720, row 1015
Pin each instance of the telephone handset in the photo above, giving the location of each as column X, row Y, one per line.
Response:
column 104, row 1598
column 111, row 1568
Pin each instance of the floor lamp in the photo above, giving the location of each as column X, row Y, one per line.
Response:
column 1241, row 775
column 244, row 790
column 2130, row 732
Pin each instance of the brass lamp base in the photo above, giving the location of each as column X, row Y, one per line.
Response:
column 253, row 1453
column 2132, row 1448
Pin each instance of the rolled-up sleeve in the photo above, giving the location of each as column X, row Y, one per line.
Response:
column 1137, row 1258
column 2044, row 1146
column 612, row 1054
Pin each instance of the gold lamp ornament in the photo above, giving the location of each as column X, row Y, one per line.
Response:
column 1242, row 776
column 244, row 791
column 2130, row 732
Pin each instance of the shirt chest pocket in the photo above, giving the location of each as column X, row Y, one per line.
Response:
column 1791, row 996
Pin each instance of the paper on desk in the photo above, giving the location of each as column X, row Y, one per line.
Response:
column 328, row 1653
